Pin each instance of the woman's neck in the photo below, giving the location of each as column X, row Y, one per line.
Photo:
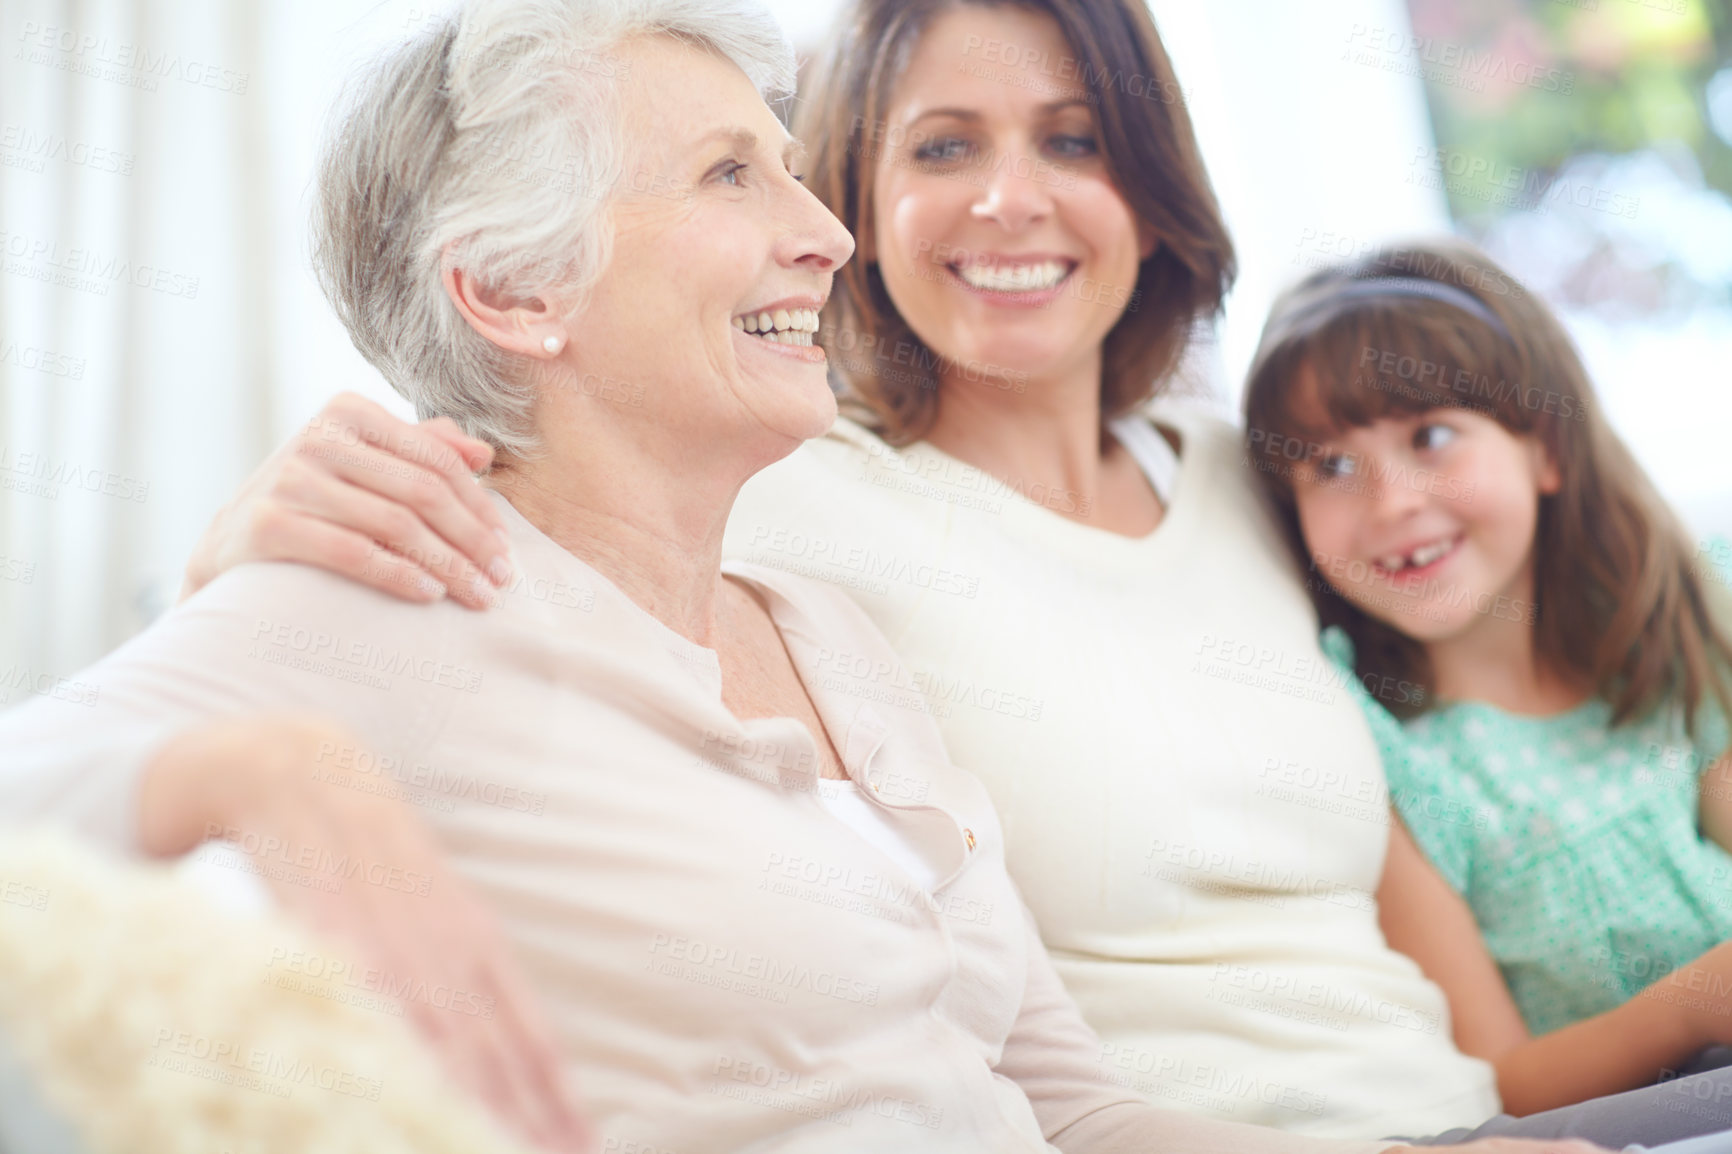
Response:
column 1044, row 438
column 656, row 536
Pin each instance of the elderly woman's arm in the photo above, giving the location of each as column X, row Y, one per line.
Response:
column 167, row 743
column 390, row 504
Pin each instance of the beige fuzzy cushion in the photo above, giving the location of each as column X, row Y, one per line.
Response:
column 159, row 1023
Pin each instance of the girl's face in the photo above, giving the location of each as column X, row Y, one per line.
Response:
column 1426, row 521
column 999, row 235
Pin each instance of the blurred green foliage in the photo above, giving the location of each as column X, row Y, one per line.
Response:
column 1518, row 87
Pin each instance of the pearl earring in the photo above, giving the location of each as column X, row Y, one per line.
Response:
column 553, row 344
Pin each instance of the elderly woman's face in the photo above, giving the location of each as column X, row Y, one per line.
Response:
column 721, row 261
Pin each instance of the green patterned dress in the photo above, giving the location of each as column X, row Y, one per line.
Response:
column 1575, row 843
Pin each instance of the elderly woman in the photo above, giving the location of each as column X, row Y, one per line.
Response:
column 758, row 912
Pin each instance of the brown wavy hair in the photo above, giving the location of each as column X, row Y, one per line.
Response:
column 1150, row 151
column 1620, row 601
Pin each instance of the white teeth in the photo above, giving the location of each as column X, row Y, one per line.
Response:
column 1418, row 559
column 781, row 325
column 1426, row 554
column 1014, row 278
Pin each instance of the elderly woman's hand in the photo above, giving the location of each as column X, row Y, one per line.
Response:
column 370, row 497
column 262, row 785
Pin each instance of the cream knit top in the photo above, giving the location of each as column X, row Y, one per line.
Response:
column 1192, row 805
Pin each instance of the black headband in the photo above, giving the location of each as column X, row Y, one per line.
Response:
column 1371, row 288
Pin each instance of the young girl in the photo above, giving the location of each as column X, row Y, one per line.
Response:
column 1540, row 652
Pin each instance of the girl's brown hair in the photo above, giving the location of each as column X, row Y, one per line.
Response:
column 1619, row 601
column 1149, row 148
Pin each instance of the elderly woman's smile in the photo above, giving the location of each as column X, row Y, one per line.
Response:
column 791, row 322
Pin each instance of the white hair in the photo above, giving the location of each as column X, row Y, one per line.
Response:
column 496, row 135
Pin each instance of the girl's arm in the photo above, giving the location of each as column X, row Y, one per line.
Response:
column 1622, row 1049
column 1714, row 785
column 1714, row 790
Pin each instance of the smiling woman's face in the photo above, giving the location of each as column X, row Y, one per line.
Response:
column 710, row 228
column 999, row 234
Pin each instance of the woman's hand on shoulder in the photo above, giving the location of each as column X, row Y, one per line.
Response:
column 363, row 870
column 389, row 503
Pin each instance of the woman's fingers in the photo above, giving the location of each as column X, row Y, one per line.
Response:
column 464, row 1029
column 445, row 939
column 292, row 534
column 398, row 530
column 479, row 1046
column 426, row 467
column 363, row 868
column 436, row 447
column 444, row 1002
column 350, row 420
column 476, row 455
column 443, row 523
column 466, row 543
column 516, row 1093
column 519, row 1064
column 467, row 1063
column 534, row 1061
column 426, row 938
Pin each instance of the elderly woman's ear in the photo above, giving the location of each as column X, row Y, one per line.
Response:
column 528, row 325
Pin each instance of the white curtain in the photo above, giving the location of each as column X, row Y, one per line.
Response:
column 1309, row 153
column 159, row 330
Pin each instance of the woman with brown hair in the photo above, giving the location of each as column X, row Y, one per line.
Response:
column 1085, row 592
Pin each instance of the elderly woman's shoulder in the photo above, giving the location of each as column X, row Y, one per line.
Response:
column 275, row 637
column 277, row 596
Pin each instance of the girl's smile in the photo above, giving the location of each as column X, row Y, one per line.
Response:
column 1420, row 561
